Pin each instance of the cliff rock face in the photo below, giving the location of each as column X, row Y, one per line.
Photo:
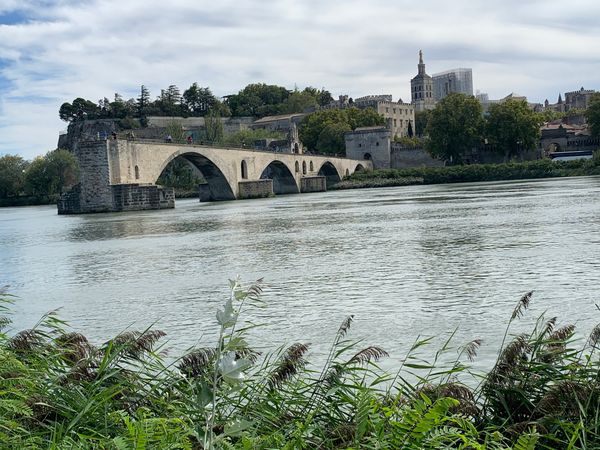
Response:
column 87, row 130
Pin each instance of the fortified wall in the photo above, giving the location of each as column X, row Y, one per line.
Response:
column 374, row 144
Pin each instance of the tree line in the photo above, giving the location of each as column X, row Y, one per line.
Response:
column 457, row 125
column 38, row 181
column 255, row 100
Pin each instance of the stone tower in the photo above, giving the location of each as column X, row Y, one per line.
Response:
column 421, row 88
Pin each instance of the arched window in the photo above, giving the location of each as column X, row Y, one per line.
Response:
column 297, row 167
column 303, row 167
column 367, row 156
column 137, row 173
column 312, row 168
column 244, row 170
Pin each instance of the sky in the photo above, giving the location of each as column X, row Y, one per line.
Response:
column 52, row 51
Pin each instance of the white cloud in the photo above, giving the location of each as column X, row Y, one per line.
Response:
column 66, row 49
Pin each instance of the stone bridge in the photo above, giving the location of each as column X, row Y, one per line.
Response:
column 121, row 175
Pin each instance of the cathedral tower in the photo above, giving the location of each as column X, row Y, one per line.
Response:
column 421, row 88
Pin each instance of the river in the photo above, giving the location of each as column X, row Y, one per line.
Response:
column 406, row 261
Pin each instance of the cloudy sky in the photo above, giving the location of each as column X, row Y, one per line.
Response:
column 52, row 51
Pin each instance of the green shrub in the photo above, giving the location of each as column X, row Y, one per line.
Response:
column 60, row 391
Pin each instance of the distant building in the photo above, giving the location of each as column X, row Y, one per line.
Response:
column 421, row 88
column 400, row 116
column 573, row 100
column 578, row 99
column 455, row 80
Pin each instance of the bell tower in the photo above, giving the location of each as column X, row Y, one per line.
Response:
column 421, row 88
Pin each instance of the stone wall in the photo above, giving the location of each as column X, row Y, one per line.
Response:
column 230, row 124
column 93, row 191
column 372, row 143
column 255, row 189
column 402, row 157
column 313, row 184
column 135, row 197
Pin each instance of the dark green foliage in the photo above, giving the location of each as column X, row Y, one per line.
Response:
column 545, row 168
column 61, row 391
column 421, row 120
column 12, row 175
column 454, row 127
column 512, row 127
column 260, row 100
column 592, row 114
column 52, row 174
column 323, row 131
column 183, row 176
column 199, row 101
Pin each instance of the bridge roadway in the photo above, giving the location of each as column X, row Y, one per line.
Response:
column 225, row 168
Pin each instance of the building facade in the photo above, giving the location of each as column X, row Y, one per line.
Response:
column 455, row 80
column 578, row 99
column 421, row 88
column 400, row 116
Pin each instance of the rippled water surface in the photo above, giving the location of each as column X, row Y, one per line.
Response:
column 405, row 261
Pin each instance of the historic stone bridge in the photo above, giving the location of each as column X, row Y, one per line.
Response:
column 121, row 175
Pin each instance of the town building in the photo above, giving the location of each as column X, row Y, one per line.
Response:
column 454, row 80
column 578, row 99
column 575, row 100
column 400, row 116
column 421, row 88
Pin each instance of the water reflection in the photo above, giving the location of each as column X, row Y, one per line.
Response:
column 406, row 261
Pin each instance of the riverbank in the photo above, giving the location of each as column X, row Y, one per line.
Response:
column 28, row 200
column 545, row 168
column 61, row 391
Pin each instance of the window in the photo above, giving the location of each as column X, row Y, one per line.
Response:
column 244, row 170
column 303, row 167
column 312, row 168
column 137, row 173
column 297, row 167
column 395, row 123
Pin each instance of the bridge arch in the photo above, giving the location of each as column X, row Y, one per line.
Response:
column 359, row 168
column 218, row 185
column 283, row 178
column 329, row 171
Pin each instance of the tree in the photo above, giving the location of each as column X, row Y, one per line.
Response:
column 12, row 175
column 52, row 173
column 258, row 100
column 175, row 130
column 323, row 131
column 143, row 101
column 421, row 120
column 299, row 102
column 592, row 114
column 454, row 127
column 512, row 127
column 199, row 100
column 331, row 138
column 214, row 127
column 80, row 109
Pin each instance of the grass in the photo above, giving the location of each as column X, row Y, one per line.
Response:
column 59, row 391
